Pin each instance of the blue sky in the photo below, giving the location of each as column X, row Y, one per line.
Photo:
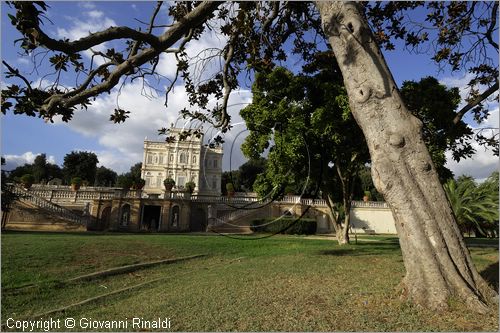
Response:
column 120, row 146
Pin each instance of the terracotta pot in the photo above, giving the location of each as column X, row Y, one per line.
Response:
column 366, row 198
column 27, row 185
column 75, row 187
column 169, row 187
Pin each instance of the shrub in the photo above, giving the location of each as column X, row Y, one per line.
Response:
column 169, row 182
column 229, row 187
column 76, row 181
column 292, row 226
column 190, row 187
column 27, row 179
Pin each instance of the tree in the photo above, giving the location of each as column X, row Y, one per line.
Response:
column 130, row 178
column 8, row 197
column 435, row 105
column 105, row 177
column 40, row 169
column 475, row 207
column 81, row 164
column 437, row 262
column 249, row 171
column 305, row 121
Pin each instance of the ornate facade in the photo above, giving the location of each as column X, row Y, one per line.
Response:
column 183, row 161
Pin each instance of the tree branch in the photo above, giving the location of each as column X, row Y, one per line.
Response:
column 475, row 102
column 193, row 19
column 15, row 72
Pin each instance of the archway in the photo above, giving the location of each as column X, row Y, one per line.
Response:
column 104, row 218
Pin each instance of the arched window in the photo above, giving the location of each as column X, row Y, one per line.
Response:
column 171, row 158
column 182, row 158
column 194, row 159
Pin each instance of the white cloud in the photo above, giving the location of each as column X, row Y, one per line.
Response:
column 13, row 161
column 207, row 47
column 483, row 163
column 123, row 143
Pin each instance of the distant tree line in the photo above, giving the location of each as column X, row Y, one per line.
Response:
column 77, row 164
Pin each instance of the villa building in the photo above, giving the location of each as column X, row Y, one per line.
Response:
column 183, row 161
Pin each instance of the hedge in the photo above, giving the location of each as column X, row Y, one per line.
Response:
column 277, row 225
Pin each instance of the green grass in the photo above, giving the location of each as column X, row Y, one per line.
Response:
column 282, row 283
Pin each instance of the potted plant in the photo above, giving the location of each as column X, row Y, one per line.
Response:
column 76, row 182
column 169, row 183
column 230, row 189
column 367, row 196
column 139, row 184
column 27, row 180
column 190, row 187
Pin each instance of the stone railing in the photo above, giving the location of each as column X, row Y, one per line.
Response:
column 61, row 212
column 369, row 204
column 64, row 194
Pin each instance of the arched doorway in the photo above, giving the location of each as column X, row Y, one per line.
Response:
column 104, row 219
column 198, row 221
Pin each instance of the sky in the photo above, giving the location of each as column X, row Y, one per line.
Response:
column 118, row 146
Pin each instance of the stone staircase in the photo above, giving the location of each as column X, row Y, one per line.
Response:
column 47, row 207
column 238, row 221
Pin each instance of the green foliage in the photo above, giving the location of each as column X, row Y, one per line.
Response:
column 7, row 196
column 190, row 186
column 285, row 225
column 138, row 183
column 169, row 182
column 105, row 177
column 304, row 121
column 76, row 181
column 124, row 181
column 81, row 164
column 475, row 206
column 131, row 178
column 27, row 179
column 435, row 105
column 41, row 170
column 229, row 187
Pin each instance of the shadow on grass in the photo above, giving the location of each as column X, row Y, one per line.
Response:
column 363, row 249
column 490, row 274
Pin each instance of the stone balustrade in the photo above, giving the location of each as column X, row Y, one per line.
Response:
column 64, row 194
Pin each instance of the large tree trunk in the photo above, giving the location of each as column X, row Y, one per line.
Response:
column 438, row 264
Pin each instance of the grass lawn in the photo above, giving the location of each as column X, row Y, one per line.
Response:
column 282, row 283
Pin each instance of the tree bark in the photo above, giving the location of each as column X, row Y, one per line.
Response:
column 438, row 264
column 341, row 231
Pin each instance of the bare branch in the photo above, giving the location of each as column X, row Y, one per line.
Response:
column 150, row 29
column 15, row 72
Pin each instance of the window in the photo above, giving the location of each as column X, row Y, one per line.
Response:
column 182, row 158
column 150, row 159
column 214, row 182
column 171, row 158
column 215, row 163
column 161, row 159
column 181, row 181
column 155, row 159
column 194, row 159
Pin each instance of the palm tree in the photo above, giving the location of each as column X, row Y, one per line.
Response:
column 475, row 207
